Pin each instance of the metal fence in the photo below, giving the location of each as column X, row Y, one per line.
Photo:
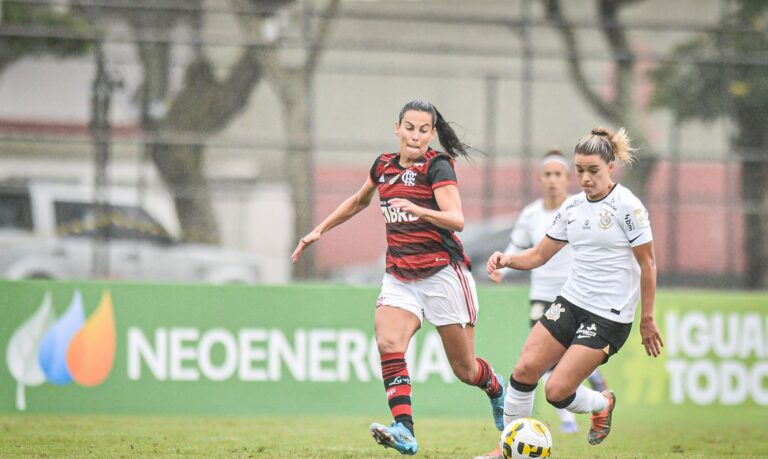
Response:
column 302, row 95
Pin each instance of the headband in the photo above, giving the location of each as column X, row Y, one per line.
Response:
column 557, row 159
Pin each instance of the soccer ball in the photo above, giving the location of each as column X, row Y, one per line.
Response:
column 525, row 438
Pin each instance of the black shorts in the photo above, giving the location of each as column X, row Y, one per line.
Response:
column 570, row 324
column 537, row 310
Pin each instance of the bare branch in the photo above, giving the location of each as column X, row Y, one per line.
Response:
column 323, row 31
column 601, row 106
column 616, row 39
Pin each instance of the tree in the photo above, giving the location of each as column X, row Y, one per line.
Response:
column 205, row 104
column 294, row 85
column 18, row 17
column 622, row 110
column 176, row 124
column 725, row 74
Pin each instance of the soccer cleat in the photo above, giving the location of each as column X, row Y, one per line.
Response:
column 396, row 436
column 497, row 404
column 494, row 454
column 569, row 427
column 601, row 422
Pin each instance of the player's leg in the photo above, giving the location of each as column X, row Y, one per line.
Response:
column 567, row 419
column 396, row 320
column 450, row 303
column 595, row 341
column 597, row 380
column 565, row 391
column 540, row 352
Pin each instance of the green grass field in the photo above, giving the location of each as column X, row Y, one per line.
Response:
column 347, row 437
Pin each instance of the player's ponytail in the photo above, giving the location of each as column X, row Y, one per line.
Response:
column 609, row 146
column 445, row 133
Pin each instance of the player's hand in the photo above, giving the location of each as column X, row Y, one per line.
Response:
column 495, row 262
column 651, row 337
column 305, row 242
column 406, row 206
column 496, row 276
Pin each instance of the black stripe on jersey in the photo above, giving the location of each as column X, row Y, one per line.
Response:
column 414, row 274
column 424, row 248
column 409, row 227
column 454, row 247
column 556, row 239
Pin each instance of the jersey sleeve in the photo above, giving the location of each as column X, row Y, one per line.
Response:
column 441, row 173
column 373, row 173
column 636, row 223
column 558, row 230
column 520, row 237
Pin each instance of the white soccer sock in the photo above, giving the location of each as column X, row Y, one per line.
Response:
column 565, row 415
column 517, row 404
column 587, row 401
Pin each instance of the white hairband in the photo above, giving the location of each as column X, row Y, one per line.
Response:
column 557, row 159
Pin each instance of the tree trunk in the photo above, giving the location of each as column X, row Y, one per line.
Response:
column 203, row 106
column 300, row 161
column 754, row 189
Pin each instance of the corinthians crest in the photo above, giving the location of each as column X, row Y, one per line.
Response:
column 553, row 313
column 605, row 220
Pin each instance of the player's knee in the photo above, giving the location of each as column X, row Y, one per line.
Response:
column 561, row 403
column 465, row 373
column 526, row 373
column 556, row 391
column 388, row 344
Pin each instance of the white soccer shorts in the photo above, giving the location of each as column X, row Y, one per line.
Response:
column 444, row 298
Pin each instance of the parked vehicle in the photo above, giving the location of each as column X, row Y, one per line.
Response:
column 50, row 231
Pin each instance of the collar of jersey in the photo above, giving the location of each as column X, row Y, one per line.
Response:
column 608, row 194
column 395, row 161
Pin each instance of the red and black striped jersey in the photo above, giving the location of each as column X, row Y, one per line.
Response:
column 416, row 249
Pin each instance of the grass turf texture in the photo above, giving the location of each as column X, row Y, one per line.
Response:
column 347, row 437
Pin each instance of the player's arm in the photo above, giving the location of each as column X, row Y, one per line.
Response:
column 346, row 210
column 645, row 257
column 449, row 216
column 527, row 259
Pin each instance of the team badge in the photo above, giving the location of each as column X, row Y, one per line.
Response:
column 605, row 220
column 409, row 178
column 553, row 313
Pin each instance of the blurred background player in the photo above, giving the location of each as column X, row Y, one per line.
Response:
column 427, row 273
column 614, row 265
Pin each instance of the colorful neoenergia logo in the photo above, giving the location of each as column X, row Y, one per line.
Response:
column 64, row 350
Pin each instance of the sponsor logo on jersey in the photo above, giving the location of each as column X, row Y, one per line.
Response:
column 586, row 332
column 642, row 218
column 554, row 311
column 393, row 215
column 381, row 179
column 586, row 225
column 575, row 203
column 394, row 179
column 605, row 220
column 628, row 222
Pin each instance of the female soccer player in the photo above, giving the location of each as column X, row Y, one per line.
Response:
column 427, row 273
column 614, row 264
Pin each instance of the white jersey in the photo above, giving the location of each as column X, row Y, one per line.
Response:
column 530, row 229
column 605, row 277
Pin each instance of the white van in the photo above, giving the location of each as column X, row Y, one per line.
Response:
column 50, row 231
